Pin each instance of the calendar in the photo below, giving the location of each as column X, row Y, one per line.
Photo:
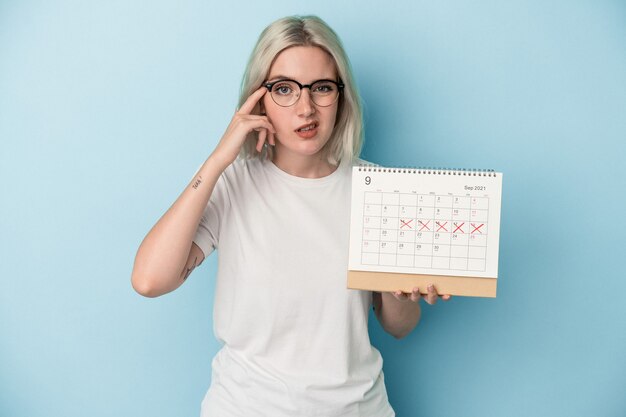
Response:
column 412, row 226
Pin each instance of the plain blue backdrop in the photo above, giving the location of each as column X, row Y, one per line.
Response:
column 108, row 108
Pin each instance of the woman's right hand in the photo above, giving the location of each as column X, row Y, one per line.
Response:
column 240, row 126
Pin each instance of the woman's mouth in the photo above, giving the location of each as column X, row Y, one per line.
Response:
column 307, row 131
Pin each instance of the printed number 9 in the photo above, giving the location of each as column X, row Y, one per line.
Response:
column 368, row 180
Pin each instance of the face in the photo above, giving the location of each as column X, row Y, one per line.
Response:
column 303, row 128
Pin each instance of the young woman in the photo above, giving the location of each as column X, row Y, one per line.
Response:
column 295, row 339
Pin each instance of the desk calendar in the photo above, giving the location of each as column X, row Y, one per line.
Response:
column 412, row 227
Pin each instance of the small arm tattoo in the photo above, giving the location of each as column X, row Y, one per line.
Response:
column 198, row 182
column 187, row 271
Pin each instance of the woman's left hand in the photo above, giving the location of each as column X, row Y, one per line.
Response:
column 430, row 297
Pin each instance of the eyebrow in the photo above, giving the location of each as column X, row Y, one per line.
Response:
column 278, row 77
column 286, row 77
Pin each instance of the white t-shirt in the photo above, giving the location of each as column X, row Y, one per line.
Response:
column 296, row 341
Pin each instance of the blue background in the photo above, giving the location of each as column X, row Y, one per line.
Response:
column 108, row 108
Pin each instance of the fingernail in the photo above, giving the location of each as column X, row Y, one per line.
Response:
column 430, row 287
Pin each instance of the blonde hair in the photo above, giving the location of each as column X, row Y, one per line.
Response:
column 347, row 137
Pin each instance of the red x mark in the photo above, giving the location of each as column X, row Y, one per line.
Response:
column 442, row 226
column 424, row 225
column 459, row 228
column 476, row 228
column 407, row 224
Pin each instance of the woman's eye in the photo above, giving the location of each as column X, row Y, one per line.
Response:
column 282, row 89
column 324, row 88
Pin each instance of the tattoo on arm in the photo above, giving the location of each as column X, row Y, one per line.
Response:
column 188, row 270
column 197, row 182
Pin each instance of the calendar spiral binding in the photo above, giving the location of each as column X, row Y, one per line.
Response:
column 428, row 170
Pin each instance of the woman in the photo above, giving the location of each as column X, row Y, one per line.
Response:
column 295, row 339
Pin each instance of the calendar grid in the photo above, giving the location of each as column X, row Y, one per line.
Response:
column 445, row 232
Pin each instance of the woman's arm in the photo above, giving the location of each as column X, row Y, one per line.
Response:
column 399, row 312
column 167, row 254
column 162, row 262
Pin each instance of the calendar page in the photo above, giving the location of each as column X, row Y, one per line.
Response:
column 421, row 221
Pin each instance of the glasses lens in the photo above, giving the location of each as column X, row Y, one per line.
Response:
column 285, row 93
column 324, row 93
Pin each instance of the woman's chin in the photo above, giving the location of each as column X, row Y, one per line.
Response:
column 304, row 147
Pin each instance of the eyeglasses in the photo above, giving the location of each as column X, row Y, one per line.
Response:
column 286, row 92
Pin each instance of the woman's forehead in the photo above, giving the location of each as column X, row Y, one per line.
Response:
column 304, row 64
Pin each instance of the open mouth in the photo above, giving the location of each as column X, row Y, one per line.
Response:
column 308, row 127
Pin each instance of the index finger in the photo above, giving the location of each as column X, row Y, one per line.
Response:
column 254, row 98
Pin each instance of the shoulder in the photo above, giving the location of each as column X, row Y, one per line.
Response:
column 243, row 167
column 348, row 166
column 245, row 175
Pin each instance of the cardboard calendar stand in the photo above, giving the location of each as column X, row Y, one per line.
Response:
column 445, row 284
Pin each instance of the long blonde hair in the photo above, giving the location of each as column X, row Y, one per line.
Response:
column 347, row 138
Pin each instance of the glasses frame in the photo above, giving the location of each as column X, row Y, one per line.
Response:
column 270, row 85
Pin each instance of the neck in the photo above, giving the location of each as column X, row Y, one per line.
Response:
column 304, row 166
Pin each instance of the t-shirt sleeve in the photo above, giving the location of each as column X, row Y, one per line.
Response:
column 208, row 232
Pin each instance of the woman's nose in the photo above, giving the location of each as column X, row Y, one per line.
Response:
column 305, row 105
